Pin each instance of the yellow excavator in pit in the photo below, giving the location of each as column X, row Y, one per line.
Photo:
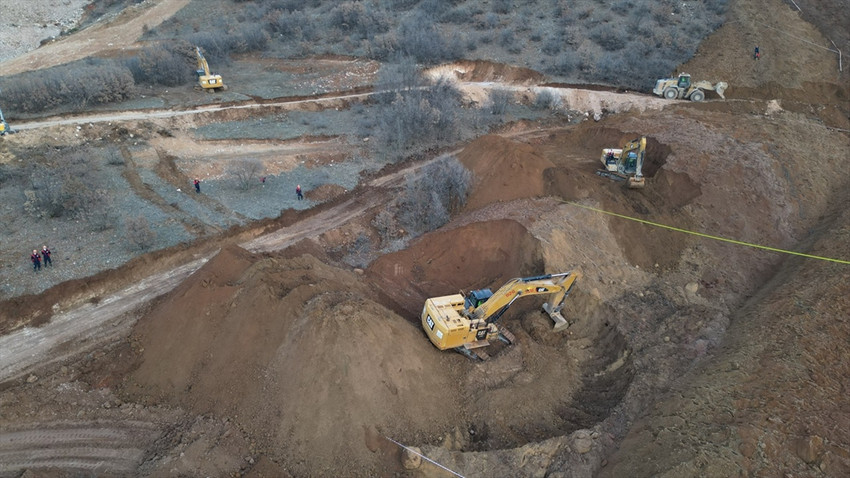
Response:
column 625, row 164
column 467, row 322
column 206, row 80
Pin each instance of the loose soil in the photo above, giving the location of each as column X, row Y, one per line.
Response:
column 255, row 353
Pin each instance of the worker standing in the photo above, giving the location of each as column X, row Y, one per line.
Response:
column 756, row 53
column 298, row 193
column 45, row 254
column 197, row 185
column 36, row 261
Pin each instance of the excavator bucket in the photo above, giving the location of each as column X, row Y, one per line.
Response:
column 560, row 322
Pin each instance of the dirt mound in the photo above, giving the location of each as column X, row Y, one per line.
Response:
column 483, row 254
column 479, row 71
column 325, row 192
column 504, row 170
column 297, row 354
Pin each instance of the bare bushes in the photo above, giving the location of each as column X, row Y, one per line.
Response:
column 246, row 173
column 359, row 20
column 69, row 183
column 411, row 118
column 139, row 233
column 168, row 65
column 429, row 199
column 77, row 84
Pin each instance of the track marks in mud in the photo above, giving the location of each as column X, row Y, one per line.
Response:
column 92, row 447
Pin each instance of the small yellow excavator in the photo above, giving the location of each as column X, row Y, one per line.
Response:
column 683, row 88
column 467, row 322
column 206, row 80
column 625, row 164
column 4, row 126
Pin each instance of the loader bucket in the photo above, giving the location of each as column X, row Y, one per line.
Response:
column 720, row 87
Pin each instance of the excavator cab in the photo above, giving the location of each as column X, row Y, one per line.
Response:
column 476, row 298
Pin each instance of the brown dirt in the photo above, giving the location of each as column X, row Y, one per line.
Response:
column 246, row 328
column 504, row 170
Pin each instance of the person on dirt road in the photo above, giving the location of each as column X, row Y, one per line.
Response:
column 36, row 261
column 197, row 185
column 45, row 254
column 298, row 193
column 756, row 53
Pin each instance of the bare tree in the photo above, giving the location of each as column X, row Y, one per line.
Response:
column 246, row 173
column 139, row 232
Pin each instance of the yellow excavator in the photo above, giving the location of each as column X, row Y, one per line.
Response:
column 625, row 164
column 4, row 126
column 467, row 322
column 206, row 80
column 683, row 88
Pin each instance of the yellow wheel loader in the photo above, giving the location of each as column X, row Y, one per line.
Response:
column 207, row 81
column 625, row 164
column 683, row 88
column 467, row 322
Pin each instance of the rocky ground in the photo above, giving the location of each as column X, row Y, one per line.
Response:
column 269, row 356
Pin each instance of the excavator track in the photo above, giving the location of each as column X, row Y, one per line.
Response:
column 506, row 336
column 477, row 354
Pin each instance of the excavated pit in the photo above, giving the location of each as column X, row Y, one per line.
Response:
column 565, row 381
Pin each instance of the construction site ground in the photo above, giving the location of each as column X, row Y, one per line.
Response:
column 247, row 346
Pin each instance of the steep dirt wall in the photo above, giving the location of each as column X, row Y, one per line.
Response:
column 773, row 401
column 482, row 254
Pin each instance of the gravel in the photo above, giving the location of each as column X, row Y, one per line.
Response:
column 24, row 23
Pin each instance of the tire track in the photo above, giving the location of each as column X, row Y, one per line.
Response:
column 105, row 447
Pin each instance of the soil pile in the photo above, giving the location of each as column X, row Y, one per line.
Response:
column 483, row 254
column 504, row 170
column 296, row 353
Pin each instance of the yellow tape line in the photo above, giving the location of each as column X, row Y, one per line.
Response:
column 709, row 236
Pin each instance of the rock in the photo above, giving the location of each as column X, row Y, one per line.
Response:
column 358, row 271
column 31, row 379
column 692, row 288
column 583, row 445
column 411, row 459
column 809, row 448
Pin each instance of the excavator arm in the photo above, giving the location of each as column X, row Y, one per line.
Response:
column 557, row 286
column 203, row 66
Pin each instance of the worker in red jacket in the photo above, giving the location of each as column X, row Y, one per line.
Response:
column 45, row 254
column 36, row 261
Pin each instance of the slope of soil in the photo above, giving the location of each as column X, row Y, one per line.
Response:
column 482, row 254
column 295, row 352
column 773, row 400
column 504, row 170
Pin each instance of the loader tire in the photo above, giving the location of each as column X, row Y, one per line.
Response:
column 697, row 96
column 671, row 93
